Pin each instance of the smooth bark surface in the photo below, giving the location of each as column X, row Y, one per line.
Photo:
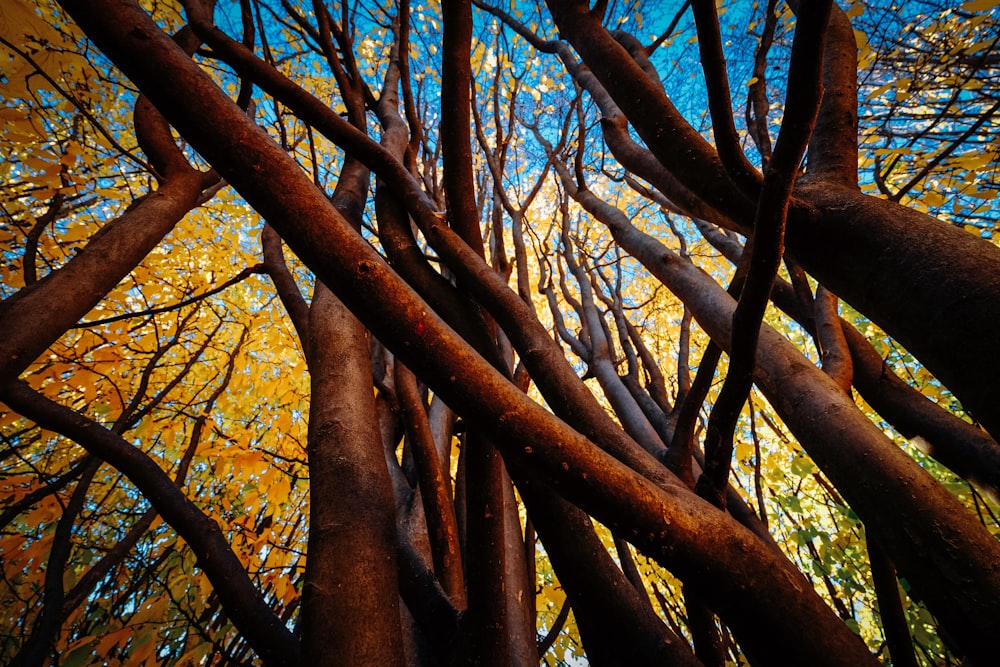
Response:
column 381, row 506
column 353, row 525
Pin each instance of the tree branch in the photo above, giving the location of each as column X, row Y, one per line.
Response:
column 766, row 245
column 243, row 603
column 713, row 62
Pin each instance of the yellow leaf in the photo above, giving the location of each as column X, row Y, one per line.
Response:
column 986, row 195
column 204, row 586
column 19, row 20
column 933, row 199
column 744, row 451
column 113, row 640
column 979, row 5
column 975, row 160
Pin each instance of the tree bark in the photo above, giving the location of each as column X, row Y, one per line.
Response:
column 350, row 610
column 934, row 541
column 866, row 250
column 750, row 587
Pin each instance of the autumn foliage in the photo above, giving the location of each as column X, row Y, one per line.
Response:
column 476, row 332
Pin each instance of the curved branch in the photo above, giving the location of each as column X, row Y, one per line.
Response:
column 713, row 61
column 435, row 488
column 757, row 105
column 664, row 130
column 35, row 317
column 766, row 244
column 834, row 352
column 238, row 278
column 36, row 648
column 242, row 601
column 277, row 270
column 686, row 534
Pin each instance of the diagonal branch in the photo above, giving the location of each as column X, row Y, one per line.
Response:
column 683, row 532
column 242, row 601
column 239, row 277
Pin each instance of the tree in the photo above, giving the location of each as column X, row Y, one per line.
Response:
column 430, row 334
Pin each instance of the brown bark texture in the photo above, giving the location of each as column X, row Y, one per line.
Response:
column 406, row 445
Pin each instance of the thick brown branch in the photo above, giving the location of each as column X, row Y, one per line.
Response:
column 833, row 151
column 835, row 355
column 352, row 511
column 435, row 488
column 650, row 515
column 456, row 142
